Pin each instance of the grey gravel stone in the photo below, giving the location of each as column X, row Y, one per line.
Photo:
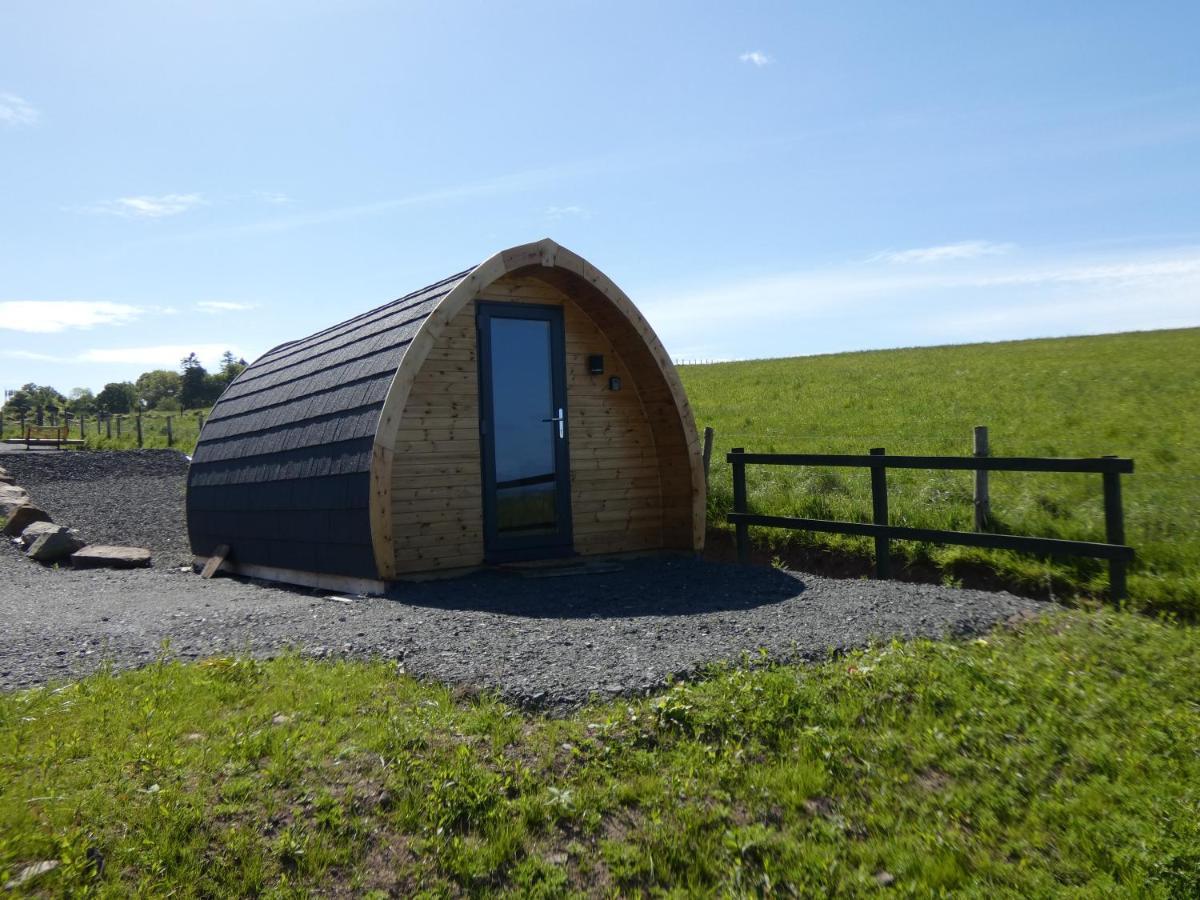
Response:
column 36, row 530
column 113, row 497
column 545, row 643
column 99, row 556
column 53, row 546
column 22, row 517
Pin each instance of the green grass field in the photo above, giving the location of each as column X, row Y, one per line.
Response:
column 185, row 431
column 1135, row 395
column 1055, row 758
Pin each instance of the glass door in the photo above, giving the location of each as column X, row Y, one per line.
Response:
column 523, row 426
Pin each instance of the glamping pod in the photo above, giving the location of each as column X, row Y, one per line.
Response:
column 520, row 410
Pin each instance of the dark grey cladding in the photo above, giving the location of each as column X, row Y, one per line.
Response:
column 282, row 470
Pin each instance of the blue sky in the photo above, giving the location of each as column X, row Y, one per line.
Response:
column 763, row 179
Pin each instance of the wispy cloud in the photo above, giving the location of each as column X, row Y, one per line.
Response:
column 16, row 110
column 220, row 306
column 863, row 305
column 148, row 207
column 166, row 356
column 757, row 58
column 275, row 198
column 51, row 316
column 562, row 212
column 943, row 252
column 158, row 354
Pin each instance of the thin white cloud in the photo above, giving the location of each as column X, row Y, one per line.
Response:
column 756, row 58
column 275, row 198
column 51, row 316
column 859, row 306
column 943, row 253
column 148, row 207
column 220, row 306
column 16, row 110
column 165, row 355
column 562, row 212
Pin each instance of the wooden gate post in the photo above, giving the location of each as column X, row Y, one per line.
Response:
column 739, row 504
column 879, row 509
column 983, row 500
column 139, row 429
column 708, row 444
column 1114, row 533
column 170, row 434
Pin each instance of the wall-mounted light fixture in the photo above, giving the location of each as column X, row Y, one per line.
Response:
column 596, row 364
column 614, row 383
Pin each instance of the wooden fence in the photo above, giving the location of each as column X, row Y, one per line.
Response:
column 1110, row 467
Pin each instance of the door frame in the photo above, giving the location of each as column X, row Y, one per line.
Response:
column 499, row 548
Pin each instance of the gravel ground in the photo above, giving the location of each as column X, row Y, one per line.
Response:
column 541, row 642
column 132, row 497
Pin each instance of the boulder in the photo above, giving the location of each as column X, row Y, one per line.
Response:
column 36, row 530
column 53, row 546
column 11, row 497
column 99, row 556
column 22, row 517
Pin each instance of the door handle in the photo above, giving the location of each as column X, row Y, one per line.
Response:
column 561, row 420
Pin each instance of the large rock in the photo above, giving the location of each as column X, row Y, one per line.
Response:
column 11, row 497
column 53, row 546
column 36, row 530
column 22, row 517
column 99, row 556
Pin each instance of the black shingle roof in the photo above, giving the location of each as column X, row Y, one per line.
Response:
column 281, row 472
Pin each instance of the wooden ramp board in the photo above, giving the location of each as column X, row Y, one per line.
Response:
column 214, row 561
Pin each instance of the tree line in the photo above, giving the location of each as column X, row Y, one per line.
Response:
column 191, row 387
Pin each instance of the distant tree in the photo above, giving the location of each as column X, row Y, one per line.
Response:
column 117, row 397
column 19, row 404
column 43, row 395
column 82, row 400
column 159, row 386
column 195, row 388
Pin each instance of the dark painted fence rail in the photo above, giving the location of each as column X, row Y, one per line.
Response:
column 1111, row 468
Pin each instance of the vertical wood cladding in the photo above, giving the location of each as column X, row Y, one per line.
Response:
column 616, row 481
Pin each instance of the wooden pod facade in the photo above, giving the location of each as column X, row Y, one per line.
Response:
column 523, row 409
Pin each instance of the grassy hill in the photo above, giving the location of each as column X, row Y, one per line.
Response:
column 1132, row 395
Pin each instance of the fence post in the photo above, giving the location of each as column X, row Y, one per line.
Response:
column 82, row 425
column 170, row 434
column 118, row 426
column 708, row 442
column 879, row 510
column 739, row 505
column 139, row 429
column 1114, row 532
column 983, row 500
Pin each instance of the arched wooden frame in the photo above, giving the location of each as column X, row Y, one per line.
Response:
column 663, row 396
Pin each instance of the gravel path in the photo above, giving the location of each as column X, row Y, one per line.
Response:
column 541, row 642
column 132, row 497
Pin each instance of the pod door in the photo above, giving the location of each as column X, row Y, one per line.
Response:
column 523, row 431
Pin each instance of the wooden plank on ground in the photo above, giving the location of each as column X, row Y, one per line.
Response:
column 214, row 561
